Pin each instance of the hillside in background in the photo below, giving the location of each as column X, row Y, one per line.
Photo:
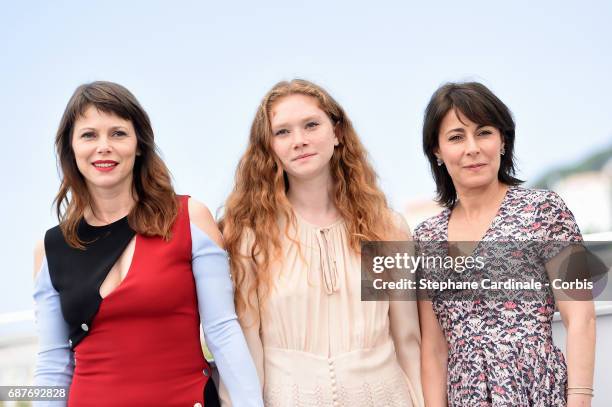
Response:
column 594, row 162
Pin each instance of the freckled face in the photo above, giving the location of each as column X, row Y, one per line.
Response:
column 303, row 136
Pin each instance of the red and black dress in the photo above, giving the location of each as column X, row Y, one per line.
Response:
column 140, row 345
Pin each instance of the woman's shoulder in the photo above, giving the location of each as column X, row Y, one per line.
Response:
column 534, row 197
column 531, row 193
column 432, row 227
column 39, row 255
column 548, row 206
column 53, row 233
column 399, row 223
column 51, row 238
column 202, row 218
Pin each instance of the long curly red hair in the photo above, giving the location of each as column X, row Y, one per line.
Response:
column 259, row 194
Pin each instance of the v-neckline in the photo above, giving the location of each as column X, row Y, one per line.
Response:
column 493, row 223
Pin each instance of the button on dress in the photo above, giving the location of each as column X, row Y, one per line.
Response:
column 321, row 345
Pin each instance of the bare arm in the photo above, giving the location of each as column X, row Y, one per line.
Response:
column 579, row 321
column 434, row 357
column 404, row 325
column 39, row 253
column 404, row 322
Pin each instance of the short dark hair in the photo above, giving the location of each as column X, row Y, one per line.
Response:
column 476, row 102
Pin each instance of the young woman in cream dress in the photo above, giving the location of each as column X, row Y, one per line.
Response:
column 305, row 196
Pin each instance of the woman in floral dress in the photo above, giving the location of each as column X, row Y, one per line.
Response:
column 497, row 352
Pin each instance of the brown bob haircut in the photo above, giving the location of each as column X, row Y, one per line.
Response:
column 156, row 206
column 476, row 102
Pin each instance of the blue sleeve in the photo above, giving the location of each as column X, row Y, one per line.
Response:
column 222, row 331
column 54, row 361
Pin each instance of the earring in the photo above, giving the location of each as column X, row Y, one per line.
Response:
column 439, row 161
column 503, row 150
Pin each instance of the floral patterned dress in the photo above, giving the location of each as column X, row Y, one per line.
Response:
column 501, row 353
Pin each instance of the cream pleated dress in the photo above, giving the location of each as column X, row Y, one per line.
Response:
column 316, row 343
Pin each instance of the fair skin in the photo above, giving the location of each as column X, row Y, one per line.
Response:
column 105, row 149
column 304, row 140
column 301, row 129
column 471, row 154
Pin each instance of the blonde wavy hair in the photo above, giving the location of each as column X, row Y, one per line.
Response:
column 259, row 194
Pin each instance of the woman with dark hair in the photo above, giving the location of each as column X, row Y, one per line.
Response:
column 124, row 281
column 494, row 352
column 305, row 196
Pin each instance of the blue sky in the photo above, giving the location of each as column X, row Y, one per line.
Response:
column 201, row 68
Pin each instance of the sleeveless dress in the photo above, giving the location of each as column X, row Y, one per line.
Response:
column 143, row 346
column 501, row 353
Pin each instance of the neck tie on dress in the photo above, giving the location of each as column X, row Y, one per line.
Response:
column 329, row 270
